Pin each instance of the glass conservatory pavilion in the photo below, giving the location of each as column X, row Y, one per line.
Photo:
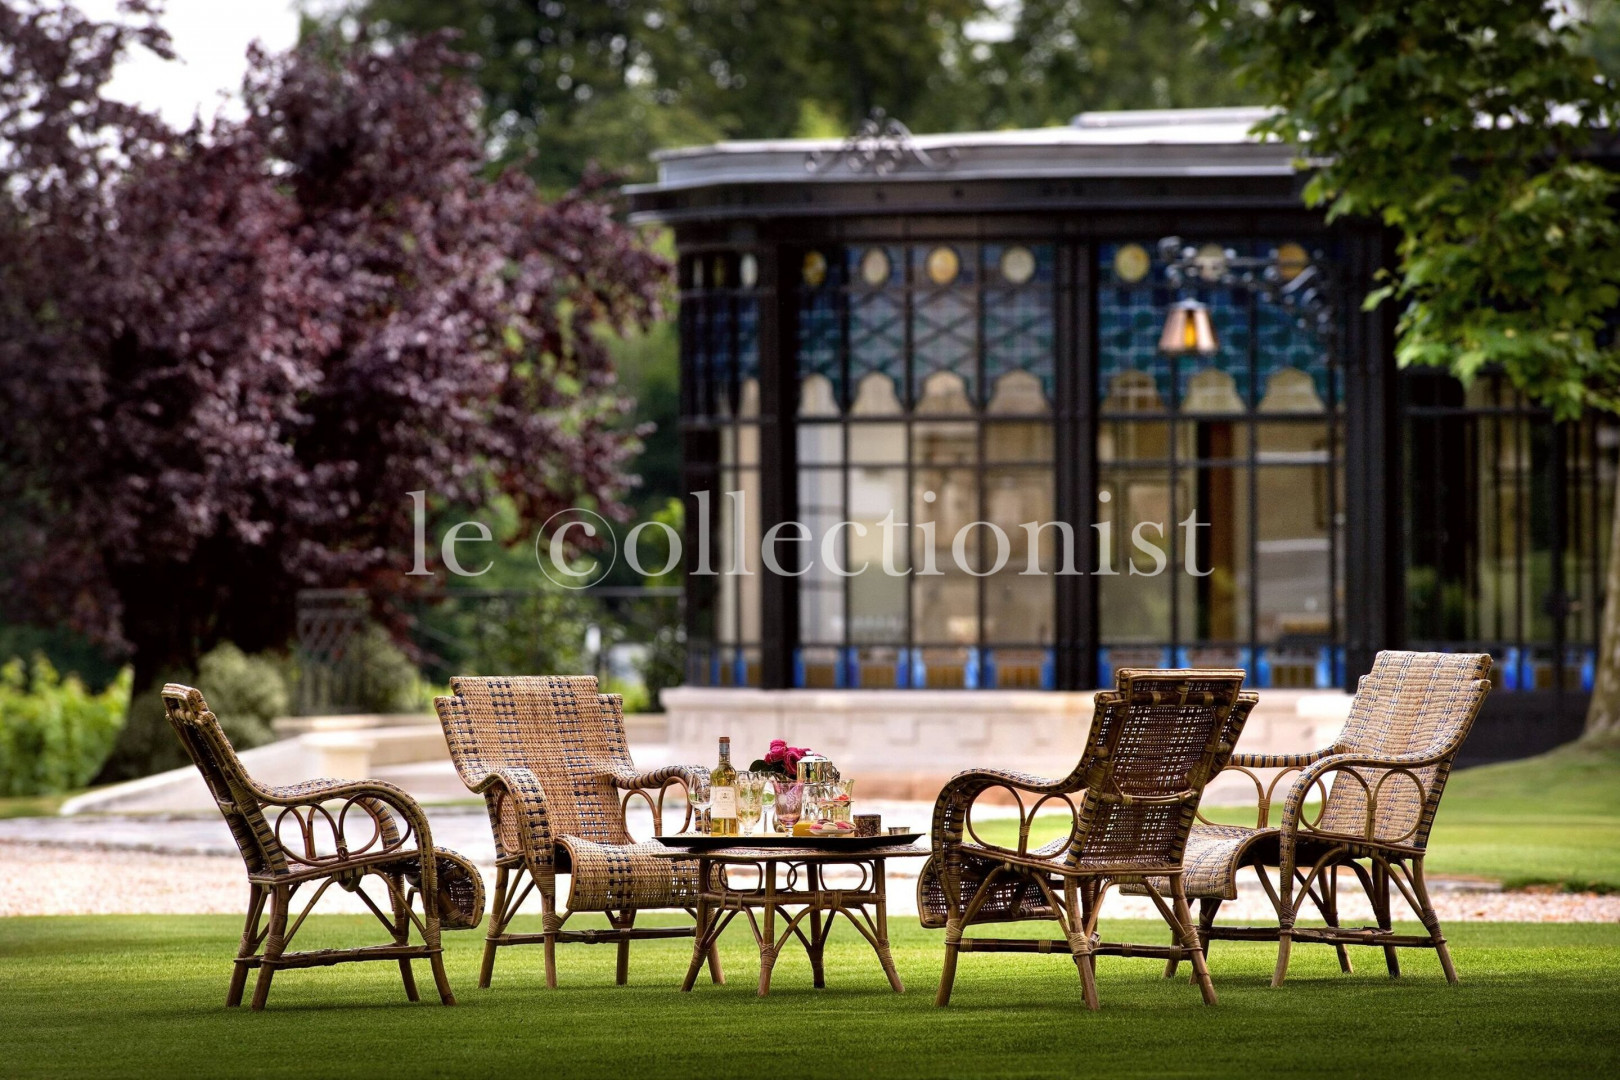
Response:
column 1130, row 319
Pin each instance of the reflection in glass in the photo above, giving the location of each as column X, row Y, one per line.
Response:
column 1017, row 440
column 1291, row 554
column 944, row 392
column 946, row 597
column 1018, row 393
column 1214, row 602
column 1133, row 608
column 1290, row 390
column 1019, row 606
column 877, row 601
column 821, row 591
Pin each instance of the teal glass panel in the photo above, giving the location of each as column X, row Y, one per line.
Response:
column 1018, row 324
column 944, row 319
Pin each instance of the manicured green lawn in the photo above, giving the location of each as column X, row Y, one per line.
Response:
column 142, row 996
column 1548, row 820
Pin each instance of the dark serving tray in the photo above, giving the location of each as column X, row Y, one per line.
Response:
column 698, row 843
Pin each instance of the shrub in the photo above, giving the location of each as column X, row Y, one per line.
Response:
column 54, row 733
column 245, row 693
column 386, row 680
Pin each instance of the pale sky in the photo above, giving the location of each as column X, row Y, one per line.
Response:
column 211, row 39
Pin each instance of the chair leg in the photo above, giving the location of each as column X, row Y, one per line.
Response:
column 1380, row 876
column 1208, row 908
column 1190, row 940
column 402, row 933
column 1330, row 915
column 550, row 925
column 716, row 975
column 625, row 921
column 1079, row 927
column 947, row 975
column 274, row 942
column 1431, row 921
column 497, row 926
column 250, row 945
column 440, row 980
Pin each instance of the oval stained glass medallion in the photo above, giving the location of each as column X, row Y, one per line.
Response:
column 748, row 270
column 875, row 267
column 1017, row 264
column 943, row 265
column 1210, row 262
column 814, row 269
column 1292, row 259
column 1131, row 263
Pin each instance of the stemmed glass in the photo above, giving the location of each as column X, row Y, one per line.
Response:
column 697, row 794
column 750, row 792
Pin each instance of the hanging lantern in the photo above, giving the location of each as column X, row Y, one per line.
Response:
column 1188, row 329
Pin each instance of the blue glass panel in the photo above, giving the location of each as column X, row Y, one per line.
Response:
column 720, row 346
column 944, row 322
column 1018, row 320
column 1284, row 343
column 819, row 334
column 1229, row 315
column 747, row 337
column 1129, row 322
column 877, row 335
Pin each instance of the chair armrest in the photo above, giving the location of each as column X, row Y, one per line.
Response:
column 377, row 800
column 521, row 789
column 1352, row 765
column 634, row 784
column 1265, row 793
column 955, row 803
column 1279, row 761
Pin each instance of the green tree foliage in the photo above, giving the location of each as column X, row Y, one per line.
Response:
column 1061, row 57
column 1467, row 127
column 245, row 692
column 612, row 82
column 54, row 733
column 587, row 80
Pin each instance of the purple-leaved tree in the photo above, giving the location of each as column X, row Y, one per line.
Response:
column 227, row 354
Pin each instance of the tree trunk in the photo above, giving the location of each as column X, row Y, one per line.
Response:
column 1603, row 715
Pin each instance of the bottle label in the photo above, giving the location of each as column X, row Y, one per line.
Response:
column 723, row 802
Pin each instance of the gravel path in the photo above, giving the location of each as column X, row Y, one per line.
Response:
column 188, row 865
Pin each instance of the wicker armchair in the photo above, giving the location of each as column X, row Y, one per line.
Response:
column 549, row 755
column 1154, row 743
column 342, row 832
column 1387, row 770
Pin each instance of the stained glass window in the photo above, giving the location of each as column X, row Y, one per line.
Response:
column 1258, row 580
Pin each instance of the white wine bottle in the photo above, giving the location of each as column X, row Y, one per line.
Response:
column 723, row 794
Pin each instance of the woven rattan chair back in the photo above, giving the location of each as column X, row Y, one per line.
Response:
column 1155, row 741
column 557, row 726
column 228, row 782
column 1411, row 704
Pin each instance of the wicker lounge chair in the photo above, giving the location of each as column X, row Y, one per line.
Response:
column 1154, row 742
column 549, row 755
column 377, row 830
column 1387, row 771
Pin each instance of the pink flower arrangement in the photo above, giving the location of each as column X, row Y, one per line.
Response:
column 781, row 760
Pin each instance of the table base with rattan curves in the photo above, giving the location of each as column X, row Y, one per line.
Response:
column 788, row 893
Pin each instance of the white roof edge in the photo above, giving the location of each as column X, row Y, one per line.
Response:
column 1211, row 126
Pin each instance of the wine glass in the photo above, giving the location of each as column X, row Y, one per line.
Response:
column 750, row 788
column 697, row 794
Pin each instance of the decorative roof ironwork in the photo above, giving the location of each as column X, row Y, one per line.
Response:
column 881, row 146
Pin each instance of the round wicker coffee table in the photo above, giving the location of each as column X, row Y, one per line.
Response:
column 771, row 883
